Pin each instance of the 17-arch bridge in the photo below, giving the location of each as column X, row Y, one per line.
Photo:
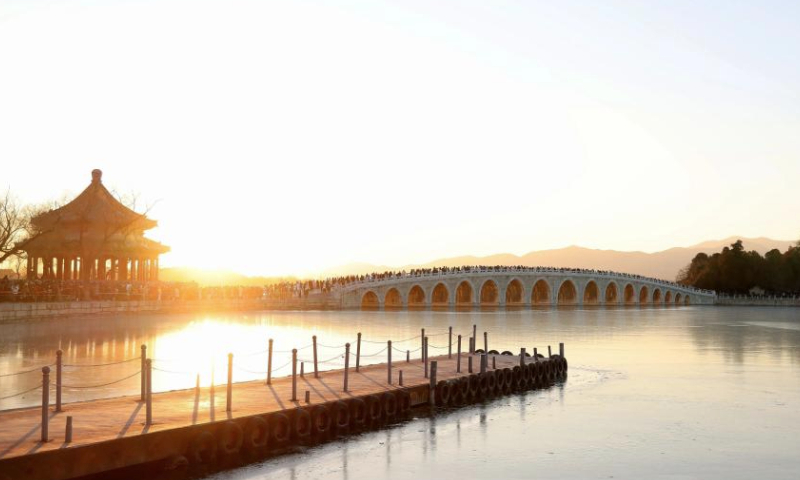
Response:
column 518, row 287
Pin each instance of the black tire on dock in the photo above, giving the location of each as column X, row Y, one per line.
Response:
column 374, row 409
column 491, row 378
column 526, row 377
column 442, row 393
column 474, row 387
column 403, row 401
column 302, row 425
column 389, row 405
column 506, row 353
column 203, row 449
column 340, row 414
column 479, row 351
column 358, row 412
column 320, row 420
column 532, row 375
column 256, row 434
column 231, row 438
column 463, row 389
column 280, row 428
column 566, row 365
column 507, row 379
column 516, row 382
column 494, row 352
column 483, row 385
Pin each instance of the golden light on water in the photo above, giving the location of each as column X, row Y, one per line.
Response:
column 202, row 348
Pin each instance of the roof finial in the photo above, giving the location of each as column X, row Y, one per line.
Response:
column 97, row 176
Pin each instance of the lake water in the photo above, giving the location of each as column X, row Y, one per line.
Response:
column 673, row 393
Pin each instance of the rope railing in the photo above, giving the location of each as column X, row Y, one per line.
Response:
column 101, row 364
column 36, row 369
column 86, row 387
column 37, row 387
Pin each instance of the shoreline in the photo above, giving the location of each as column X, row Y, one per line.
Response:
column 20, row 312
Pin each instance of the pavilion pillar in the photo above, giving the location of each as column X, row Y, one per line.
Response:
column 157, row 268
column 59, row 268
column 123, row 269
column 101, row 268
column 140, row 269
column 153, row 276
column 67, row 268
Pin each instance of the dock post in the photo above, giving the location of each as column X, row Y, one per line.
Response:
column 346, row 363
column 358, row 351
column 450, row 342
column 469, row 364
column 522, row 357
column 433, row 383
column 269, row 364
column 316, row 372
column 549, row 352
column 422, row 343
column 230, row 383
column 389, row 366
column 458, row 356
column 425, row 354
column 59, row 355
column 144, row 369
column 308, row 396
column 149, row 388
column 474, row 336
column 486, row 342
column 561, row 349
column 45, row 401
column 68, row 432
column 302, row 369
column 408, row 356
column 401, row 378
column 294, row 375
column 494, row 362
column 484, row 363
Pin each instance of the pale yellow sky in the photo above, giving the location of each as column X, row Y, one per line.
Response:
column 289, row 137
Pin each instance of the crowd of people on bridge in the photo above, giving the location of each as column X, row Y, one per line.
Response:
column 301, row 289
column 420, row 272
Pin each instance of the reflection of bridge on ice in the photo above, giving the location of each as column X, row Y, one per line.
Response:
column 522, row 287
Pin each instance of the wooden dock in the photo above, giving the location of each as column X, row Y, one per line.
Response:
column 194, row 425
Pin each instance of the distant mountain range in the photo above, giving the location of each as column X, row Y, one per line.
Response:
column 665, row 264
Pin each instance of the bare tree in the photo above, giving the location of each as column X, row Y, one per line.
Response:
column 16, row 229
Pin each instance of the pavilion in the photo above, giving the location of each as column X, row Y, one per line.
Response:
column 93, row 238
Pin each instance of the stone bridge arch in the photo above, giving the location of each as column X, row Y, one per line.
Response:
column 541, row 293
column 515, row 293
column 591, row 293
column 370, row 301
column 489, row 293
column 612, row 294
column 393, row 299
column 417, row 298
column 567, row 293
column 440, row 295
column 464, row 294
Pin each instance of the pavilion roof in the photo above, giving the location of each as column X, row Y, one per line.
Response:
column 97, row 206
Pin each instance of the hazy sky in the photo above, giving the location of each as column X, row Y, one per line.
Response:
column 291, row 136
